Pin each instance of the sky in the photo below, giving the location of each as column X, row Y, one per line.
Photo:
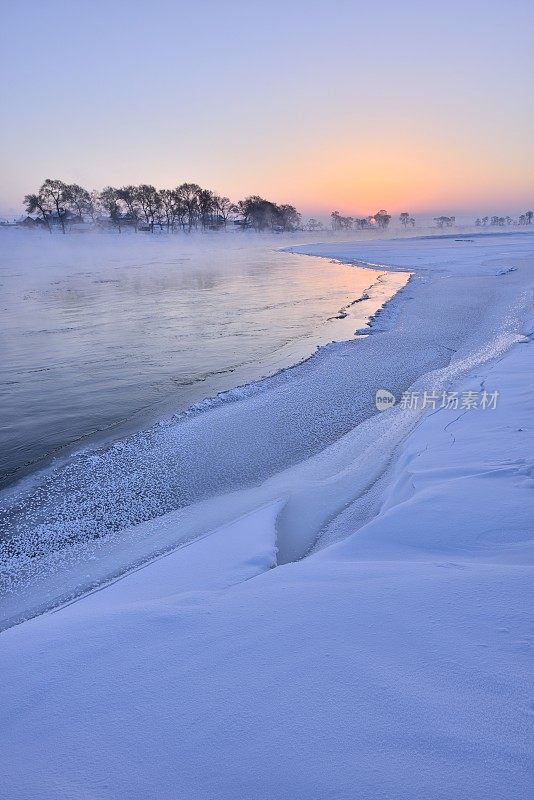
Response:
column 417, row 105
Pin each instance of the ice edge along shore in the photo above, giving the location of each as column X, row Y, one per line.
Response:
column 355, row 464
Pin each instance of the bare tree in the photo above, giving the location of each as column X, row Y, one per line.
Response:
column 129, row 195
column 170, row 207
column 186, row 205
column 382, row 218
column 404, row 218
column 224, row 208
column 108, row 200
column 206, row 207
column 78, row 200
column 444, row 222
column 54, row 192
column 150, row 203
column 289, row 217
column 36, row 202
column 188, row 194
column 340, row 223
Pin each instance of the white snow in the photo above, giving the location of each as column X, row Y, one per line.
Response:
column 391, row 662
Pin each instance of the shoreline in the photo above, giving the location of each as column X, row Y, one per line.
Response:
column 388, row 575
column 180, row 391
column 142, row 542
column 222, row 398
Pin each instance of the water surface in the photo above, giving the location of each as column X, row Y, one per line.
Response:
column 104, row 333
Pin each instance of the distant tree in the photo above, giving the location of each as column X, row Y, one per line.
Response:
column 109, row 201
column 529, row 215
column 478, row 222
column 314, row 225
column 188, row 195
column 287, row 217
column 78, row 201
column 445, row 222
column 261, row 214
column 340, row 223
column 149, row 202
column 129, row 195
column 404, row 218
column 335, row 216
column 36, row 202
column 257, row 212
column 188, row 205
column 54, row 192
column 412, row 222
column 224, row 208
column 169, row 207
column 206, row 207
column 94, row 204
column 382, row 218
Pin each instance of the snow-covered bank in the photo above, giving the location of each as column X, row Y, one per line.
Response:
column 298, row 430
column 392, row 664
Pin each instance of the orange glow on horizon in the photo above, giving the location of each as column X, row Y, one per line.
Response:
column 406, row 175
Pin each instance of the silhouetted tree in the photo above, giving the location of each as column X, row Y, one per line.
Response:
column 382, row 218
column 445, row 222
column 54, row 193
column 256, row 212
column 108, row 201
column 129, row 195
column 206, row 207
column 186, row 205
column 149, row 202
column 78, row 200
column 340, row 223
column 287, row 217
column 36, row 202
column 188, row 194
column 170, row 207
column 224, row 208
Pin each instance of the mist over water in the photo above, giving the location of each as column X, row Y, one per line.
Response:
column 104, row 333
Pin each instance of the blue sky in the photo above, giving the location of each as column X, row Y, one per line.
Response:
column 352, row 105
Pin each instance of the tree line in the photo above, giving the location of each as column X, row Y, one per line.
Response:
column 144, row 207
column 380, row 219
column 496, row 221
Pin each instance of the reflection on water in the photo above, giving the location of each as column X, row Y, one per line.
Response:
column 99, row 329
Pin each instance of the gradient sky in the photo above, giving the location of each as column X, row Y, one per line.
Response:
column 416, row 105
